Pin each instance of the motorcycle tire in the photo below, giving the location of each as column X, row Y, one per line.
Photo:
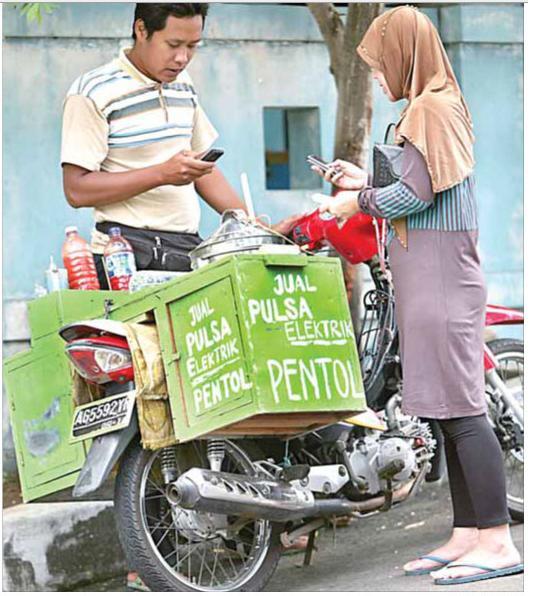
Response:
column 507, row 350
column 143, row 556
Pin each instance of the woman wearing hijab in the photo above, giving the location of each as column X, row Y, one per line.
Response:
column 439, row 287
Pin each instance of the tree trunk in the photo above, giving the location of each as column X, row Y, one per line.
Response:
column 351, row 74
column 354, row 103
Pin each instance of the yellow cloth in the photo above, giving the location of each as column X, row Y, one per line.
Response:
column 153, row 408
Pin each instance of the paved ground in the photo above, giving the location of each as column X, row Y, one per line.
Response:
column 368, row 554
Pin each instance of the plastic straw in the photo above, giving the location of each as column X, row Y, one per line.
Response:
column 247, row 195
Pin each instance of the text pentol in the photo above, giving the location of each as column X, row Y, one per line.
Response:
column 295, row 379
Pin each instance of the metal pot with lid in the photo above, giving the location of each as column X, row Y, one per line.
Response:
column 237, row 233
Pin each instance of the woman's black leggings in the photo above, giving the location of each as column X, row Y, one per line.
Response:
column 476, row 476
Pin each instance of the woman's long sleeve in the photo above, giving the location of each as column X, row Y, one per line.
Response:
column 411, row 194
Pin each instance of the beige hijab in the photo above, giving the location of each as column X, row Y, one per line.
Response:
column 404, row 45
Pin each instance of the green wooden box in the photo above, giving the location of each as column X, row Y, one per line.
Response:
column 38, row 386
column 259, row 344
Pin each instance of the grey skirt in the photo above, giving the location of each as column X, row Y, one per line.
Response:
column 440, row 307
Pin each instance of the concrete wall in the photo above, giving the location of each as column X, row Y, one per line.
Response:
column 485, row 44
column 254, row 56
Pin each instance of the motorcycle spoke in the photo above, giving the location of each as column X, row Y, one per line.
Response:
column 224, row 571
column 165, row 535
column 203, row 563
column 211, row 570
column 155, row 531
column 176, row 551
column 157, row 527
column 230, row 560
column 202, row 567
column 515, row 467
column 161, row 522
column 242, row 542
column 153, row 497
column 160, row 490
column 215, row 565
column 159, row 519
column 189, row 558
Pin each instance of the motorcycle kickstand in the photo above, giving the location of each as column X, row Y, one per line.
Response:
column 310, row 548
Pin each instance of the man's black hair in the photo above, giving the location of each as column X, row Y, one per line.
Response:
column 155, row 16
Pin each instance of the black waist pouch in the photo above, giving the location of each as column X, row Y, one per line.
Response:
column 157, row 250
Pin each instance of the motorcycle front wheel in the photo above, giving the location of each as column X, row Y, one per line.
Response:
column 510, row 356
column 181, row 550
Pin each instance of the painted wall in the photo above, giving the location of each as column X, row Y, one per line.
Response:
column 254, row 56
column 485, row 46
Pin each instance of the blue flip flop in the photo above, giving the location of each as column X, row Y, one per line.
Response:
column 487, row 573
column 426, row 570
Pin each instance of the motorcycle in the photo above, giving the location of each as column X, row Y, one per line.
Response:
column 359, row 241
column 214, row 513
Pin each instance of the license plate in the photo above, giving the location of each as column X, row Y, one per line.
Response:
column 102, row 416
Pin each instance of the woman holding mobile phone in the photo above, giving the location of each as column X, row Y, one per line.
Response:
column 439, row 286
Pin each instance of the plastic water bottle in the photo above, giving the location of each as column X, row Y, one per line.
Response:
column 56, row 279
column 79, row 261
column 119, row 260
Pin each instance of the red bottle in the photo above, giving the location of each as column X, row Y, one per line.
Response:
column 79, row 261
column 119, row 260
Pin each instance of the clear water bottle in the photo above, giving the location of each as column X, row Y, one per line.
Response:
column 119, row 260
column 79, row 261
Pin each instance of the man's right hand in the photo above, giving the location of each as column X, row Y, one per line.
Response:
column 185, row 168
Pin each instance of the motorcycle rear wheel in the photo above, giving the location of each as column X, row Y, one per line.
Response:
column 171, row 559
column 510, row 355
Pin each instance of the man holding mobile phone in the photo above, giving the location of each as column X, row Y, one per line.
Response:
column 133, row 136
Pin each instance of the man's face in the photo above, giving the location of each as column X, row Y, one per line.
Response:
column 165, row 55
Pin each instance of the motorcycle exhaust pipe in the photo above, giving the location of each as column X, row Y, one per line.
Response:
column 235, row 494
column 331, row 507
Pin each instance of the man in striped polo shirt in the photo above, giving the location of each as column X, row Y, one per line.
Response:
column 132, row 133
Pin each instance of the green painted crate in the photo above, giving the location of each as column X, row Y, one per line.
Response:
column 259, row 345
column 38, row 386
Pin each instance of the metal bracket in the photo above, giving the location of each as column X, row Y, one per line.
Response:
column 108, row 303
column 285, row 260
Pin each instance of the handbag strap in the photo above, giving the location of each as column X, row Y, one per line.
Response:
column 387, row 133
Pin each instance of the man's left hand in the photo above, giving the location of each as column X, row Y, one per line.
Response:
column 285, row 226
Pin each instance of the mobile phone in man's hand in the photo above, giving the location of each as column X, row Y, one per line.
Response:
column 213, row 154
column 314, row 160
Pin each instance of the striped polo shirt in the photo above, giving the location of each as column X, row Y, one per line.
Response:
column 116, row 119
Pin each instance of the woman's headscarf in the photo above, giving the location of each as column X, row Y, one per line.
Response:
column 404, row 45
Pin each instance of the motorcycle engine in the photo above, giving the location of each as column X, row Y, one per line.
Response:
column 376, row 452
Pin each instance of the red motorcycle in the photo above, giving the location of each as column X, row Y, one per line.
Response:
column 359, row 240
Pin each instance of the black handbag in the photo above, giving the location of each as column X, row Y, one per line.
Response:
column 387, row 162
column 156, row 250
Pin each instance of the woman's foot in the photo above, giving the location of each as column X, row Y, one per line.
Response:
column 462, row 541
column 495, row 548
